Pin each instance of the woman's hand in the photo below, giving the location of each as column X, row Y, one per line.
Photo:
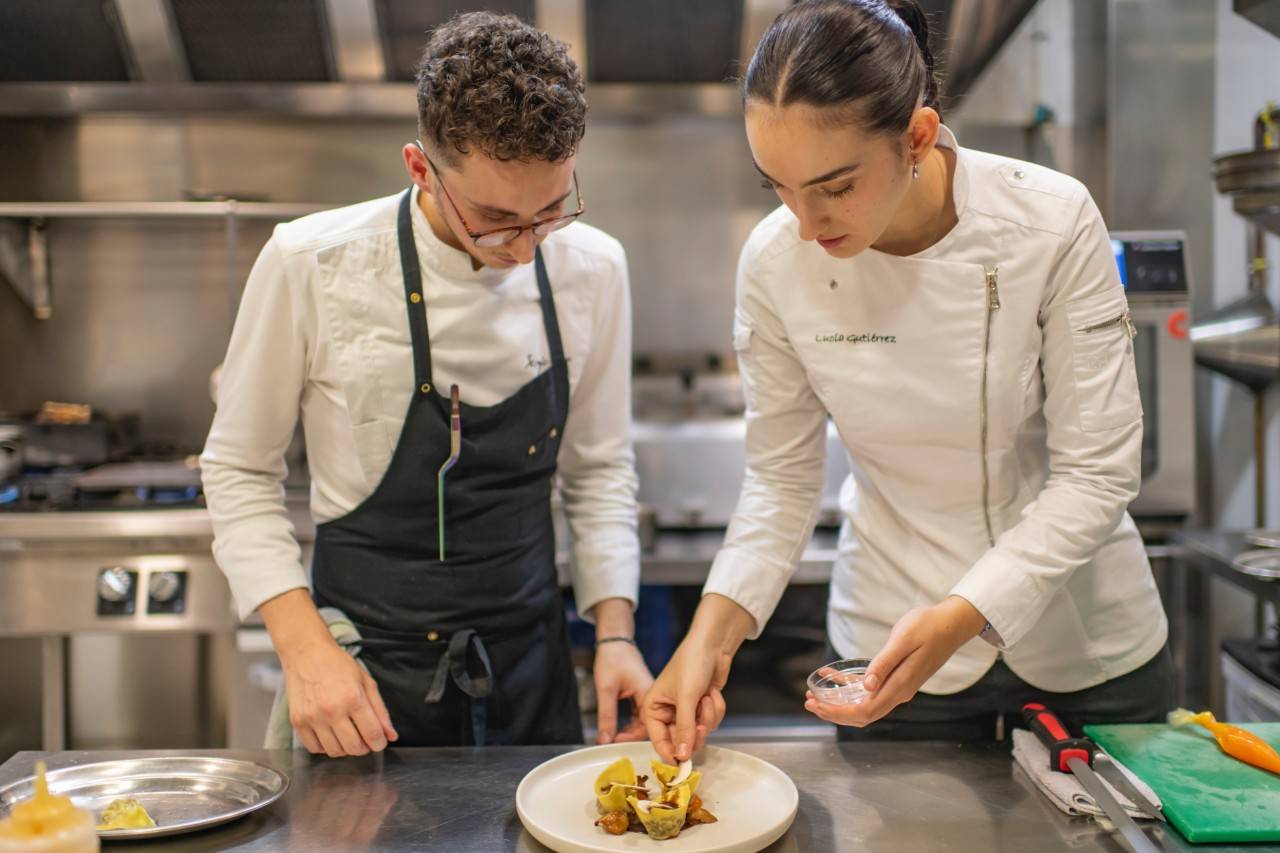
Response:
column 922, row 641
column 685, row 703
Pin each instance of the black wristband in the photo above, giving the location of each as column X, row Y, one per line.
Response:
column 600, row 642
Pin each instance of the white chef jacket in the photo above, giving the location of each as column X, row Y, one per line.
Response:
column 995, row 433
column 336, row 351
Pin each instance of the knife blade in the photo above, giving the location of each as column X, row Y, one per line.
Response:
column 1106, row 767
column 1074, row 755
column 1115, row 812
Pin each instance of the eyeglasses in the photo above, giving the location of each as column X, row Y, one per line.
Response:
column 503, row 236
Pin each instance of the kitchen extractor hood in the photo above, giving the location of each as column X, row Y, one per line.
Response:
column 357, row 57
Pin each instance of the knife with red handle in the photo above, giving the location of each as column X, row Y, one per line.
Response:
column 1062, row 746
column 1075, row 755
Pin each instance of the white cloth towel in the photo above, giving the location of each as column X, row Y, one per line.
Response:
column 1062, row 789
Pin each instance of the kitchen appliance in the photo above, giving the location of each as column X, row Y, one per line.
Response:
column 1251, row 680
column 99, row 439
column 1241, row 340
column 690, row 443
column 1156, row 273
column 107, row 574
column 691, row 471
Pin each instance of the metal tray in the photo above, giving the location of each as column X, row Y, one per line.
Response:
column 1261, row 564
column 1263, row 538
column 182, row 793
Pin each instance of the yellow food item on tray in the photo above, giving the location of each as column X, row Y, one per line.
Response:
column 126, row 813
column 47, row 823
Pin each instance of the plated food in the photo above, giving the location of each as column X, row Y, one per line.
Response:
column 559, row 801
column 626, row 804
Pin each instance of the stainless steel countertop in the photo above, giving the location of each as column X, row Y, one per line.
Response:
column 900, row 797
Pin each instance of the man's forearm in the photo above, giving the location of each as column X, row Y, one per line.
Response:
column 294, row 623
column 614, row 618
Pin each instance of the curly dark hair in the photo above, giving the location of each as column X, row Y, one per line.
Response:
column 493, row 83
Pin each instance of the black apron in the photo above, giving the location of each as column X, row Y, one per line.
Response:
column 472, row 650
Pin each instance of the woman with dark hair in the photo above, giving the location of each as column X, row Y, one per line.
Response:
column 960, row 317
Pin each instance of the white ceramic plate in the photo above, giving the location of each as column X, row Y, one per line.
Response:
column 754, row 801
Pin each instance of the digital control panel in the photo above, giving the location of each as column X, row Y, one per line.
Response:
column 1151, row 264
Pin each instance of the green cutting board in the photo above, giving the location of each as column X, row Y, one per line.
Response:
column 1208, row 796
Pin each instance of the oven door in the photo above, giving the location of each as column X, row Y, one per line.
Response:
column 1165, row 367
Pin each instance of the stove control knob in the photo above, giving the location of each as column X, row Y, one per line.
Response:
column 163, row 586
column 115, row 584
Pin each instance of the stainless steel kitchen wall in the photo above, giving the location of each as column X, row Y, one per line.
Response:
column 141, row 307
column 142, row 314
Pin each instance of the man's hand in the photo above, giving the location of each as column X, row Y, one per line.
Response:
column 620, row 673
column 922, row 641
column 334, row 705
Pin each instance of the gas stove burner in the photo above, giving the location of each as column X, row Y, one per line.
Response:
column 125, row 486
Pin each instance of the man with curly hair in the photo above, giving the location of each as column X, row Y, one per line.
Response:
column 455, row 352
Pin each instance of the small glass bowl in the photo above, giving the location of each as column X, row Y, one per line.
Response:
column 840, row 683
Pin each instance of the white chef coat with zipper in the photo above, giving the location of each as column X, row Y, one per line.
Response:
column 336, row 352
column 985, row 390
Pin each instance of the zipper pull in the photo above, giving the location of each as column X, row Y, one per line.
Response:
column 993, row 288
column 1129, row 326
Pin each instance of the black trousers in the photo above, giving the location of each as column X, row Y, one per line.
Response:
column 985, row 710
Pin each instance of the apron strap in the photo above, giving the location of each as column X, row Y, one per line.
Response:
column 477, row 688
column 559, row 366
column 412, row 273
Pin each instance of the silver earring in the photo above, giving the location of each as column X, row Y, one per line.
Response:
column 915, row 170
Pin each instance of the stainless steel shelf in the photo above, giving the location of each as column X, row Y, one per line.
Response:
column 334, row 100
column 155, row 209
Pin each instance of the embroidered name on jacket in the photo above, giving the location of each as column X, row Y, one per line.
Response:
column 856, row 338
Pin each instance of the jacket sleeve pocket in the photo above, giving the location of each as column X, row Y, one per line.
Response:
column 1101, row 335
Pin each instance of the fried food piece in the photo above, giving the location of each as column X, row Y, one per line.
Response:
column 693, row 818
column 697, row 813
column 615, row 823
